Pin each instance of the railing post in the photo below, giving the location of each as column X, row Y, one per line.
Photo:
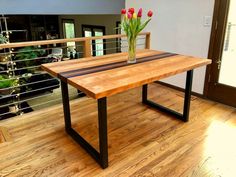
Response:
column 87, row 48
column 148, row 38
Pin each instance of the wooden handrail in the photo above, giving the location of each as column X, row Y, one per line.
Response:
column 81, row 39
column 148, row 41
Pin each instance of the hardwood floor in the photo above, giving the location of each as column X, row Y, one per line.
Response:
column 142, row 141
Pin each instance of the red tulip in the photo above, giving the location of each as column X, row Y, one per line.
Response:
column 123, row 11
column 150, row 13
column 129, row 15
column 140, row 12
column 131, row 10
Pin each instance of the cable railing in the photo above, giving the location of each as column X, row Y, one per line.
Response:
column 25, row 87
column 28, row 84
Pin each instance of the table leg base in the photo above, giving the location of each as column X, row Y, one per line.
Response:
column 188, row 87
column 86, row 146
column 164, row 109
column 102, row 156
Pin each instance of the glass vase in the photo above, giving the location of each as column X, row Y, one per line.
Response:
column 132, row 50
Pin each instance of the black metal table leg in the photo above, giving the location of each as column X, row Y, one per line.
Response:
column 102, row 122
column 188, row 87
column 66, row 105
column 102, row 156
column 187, row 97
column 144, row 93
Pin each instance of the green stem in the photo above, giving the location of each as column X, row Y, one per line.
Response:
column 132, row 50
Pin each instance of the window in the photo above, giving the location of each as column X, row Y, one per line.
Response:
column 69, row 31
column 98, row 46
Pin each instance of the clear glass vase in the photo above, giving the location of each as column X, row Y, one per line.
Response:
column 132, row 50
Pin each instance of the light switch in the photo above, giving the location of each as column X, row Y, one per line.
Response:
column 207, row 21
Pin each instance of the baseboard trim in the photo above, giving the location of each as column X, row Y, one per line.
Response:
column 180, row 89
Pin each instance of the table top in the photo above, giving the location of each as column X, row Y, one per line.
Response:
column 111, row 74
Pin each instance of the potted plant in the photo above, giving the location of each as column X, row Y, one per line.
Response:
column 29, row 57
column 132, row 25
column 25, row 56
column 3, row 39
column 6, row 85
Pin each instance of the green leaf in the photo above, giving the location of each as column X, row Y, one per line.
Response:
column 133, row 26
column 144, row 25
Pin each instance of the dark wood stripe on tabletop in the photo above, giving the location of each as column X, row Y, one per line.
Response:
column 83, row 71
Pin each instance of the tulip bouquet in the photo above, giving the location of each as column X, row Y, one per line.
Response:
column 132, row 26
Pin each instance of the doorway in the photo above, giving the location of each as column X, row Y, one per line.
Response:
column 69, row 30
column 98, row 46
column 221, row 75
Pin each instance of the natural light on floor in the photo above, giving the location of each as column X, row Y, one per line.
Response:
column 228, row 63
column 219, row 161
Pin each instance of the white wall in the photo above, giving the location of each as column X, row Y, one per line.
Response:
column 178, row 26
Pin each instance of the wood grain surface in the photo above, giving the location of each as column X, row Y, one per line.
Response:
column 105, row 82
column 4, row 135
column 142, row 141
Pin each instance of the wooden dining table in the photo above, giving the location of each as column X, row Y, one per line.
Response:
column 104, row 76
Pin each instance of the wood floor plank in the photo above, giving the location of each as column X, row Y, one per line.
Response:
column 4, row 135
column 142, row 141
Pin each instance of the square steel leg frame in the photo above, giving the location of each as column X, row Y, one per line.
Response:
column 102, row 156
column 188, row 87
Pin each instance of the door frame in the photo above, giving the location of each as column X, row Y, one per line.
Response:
column 65, row 20
column 92, row 27
column 212, row 87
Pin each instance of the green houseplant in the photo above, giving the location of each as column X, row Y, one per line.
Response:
column 3, row 57
column 132, row 25
column 28, row 61
column 25, row 56
column 3, row 39
column 6, row 83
